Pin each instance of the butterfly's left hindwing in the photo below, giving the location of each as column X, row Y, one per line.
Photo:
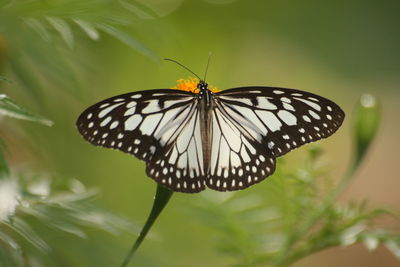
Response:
column 179, row 163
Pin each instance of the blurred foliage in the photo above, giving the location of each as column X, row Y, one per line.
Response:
column 36, row 207
column 303, row 215
column 53, row 51
column 33, row 204
column 39, row 37
column 9, row 108
column 300, row 219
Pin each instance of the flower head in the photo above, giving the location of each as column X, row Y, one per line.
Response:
column 190, row 85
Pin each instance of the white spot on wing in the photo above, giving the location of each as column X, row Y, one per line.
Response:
column 184, row 137
column 315, row 115
column 235, row 160
column 296, row 94
column 288, row 107
column 104, row 105
column 132, row 122
column 130, row 111
column 168, row 117
column 287, row 117
column 105, row 121
column 286, row 100
column 136, row 96
column 182, row 161
column 310, row 103
column 173, row 156
column 244, row 101
column 306, row 118
column 278, row 92
column 151, row 107
column 313, row 98
column 251, row 120
column 270, row 145
column 131, row 104
column 264, row 103
column 269, row 119
column 150, row 123
column 114, row 124
column 108, row 110
column 244, row 155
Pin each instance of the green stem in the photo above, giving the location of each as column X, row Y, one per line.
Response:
column 160, row 201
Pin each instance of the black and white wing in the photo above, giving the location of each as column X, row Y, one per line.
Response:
column 252, row 126
column 238, row 158
column 281, row 119
column 160, row 127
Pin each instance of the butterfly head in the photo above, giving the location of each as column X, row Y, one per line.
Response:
column 202, row 85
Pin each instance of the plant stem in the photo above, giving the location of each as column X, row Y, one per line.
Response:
column 160, row 201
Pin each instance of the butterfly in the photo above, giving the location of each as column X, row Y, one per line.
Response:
column 195, row 137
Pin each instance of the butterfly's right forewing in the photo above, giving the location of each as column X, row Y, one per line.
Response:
column 284, row 118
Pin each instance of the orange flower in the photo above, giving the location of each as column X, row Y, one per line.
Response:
column 190, row 85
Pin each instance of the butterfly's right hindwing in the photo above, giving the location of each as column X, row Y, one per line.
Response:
column 237, row 159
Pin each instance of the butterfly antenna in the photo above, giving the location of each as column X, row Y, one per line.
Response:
column 208, row 63
column 183, row 66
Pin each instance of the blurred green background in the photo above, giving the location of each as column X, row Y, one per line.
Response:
column 338, row 49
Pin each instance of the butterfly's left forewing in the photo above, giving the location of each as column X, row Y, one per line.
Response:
column 160, row 127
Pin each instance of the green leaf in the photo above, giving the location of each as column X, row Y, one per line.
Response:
column 394, row 247
column 88, row 29
column 128, row 40
column 63, row 28
column 39, row 28
column 12, row 256
column 9, row 241
column 4, row 170
column 9, row 108
column 371, row 242
column 134, row 8
column 25, row 231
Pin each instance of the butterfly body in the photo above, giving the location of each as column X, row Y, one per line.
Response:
column 224, row 140
column 206, row 105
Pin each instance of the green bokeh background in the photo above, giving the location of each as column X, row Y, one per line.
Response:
column 338, row 49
